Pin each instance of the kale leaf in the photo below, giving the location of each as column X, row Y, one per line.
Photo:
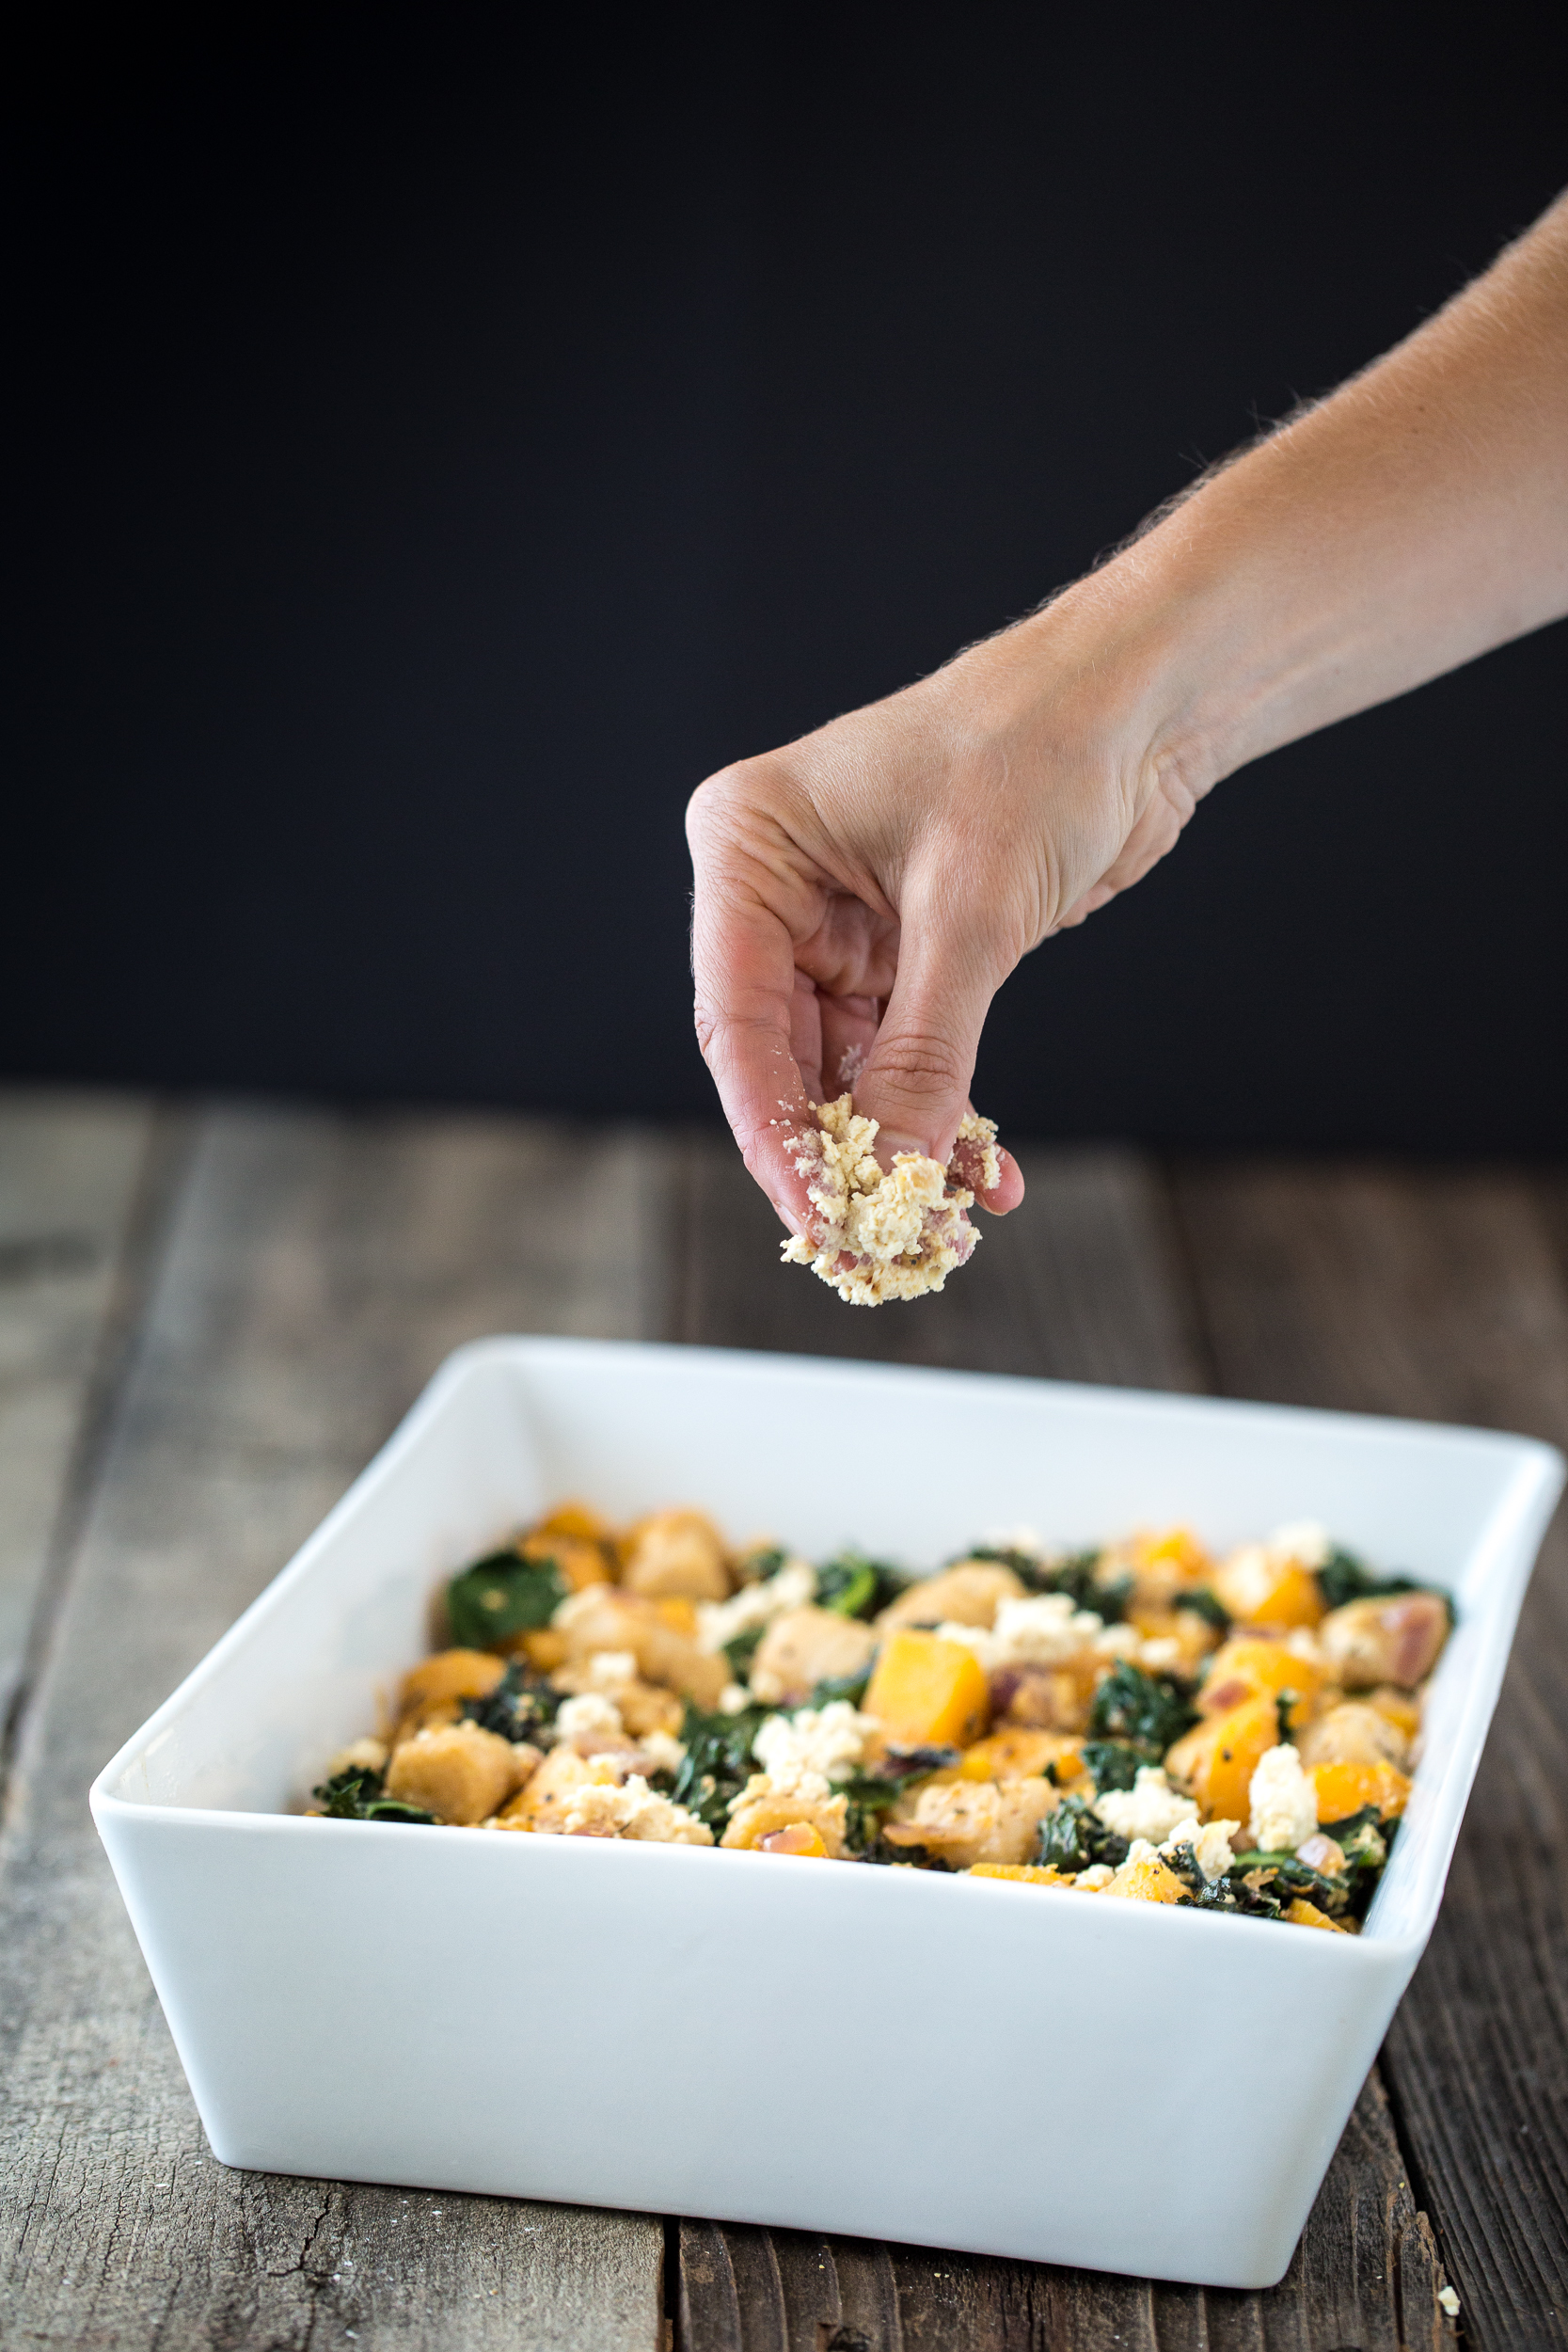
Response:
column 1207, row 1605
column 1073, row 1836
column 717, row 1761
column 1075, row 1574
column 854, row 1585
column 1344, row 1578
column 502, row 1595
column 522, row 1706
column 756, row 1567
column 356, row 1795
column 850, row 1687
column 1149, row 1711
column 1114, row 1764
column 873, row 1794
column 741, row 1651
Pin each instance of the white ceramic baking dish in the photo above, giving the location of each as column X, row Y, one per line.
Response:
column 880, row 2053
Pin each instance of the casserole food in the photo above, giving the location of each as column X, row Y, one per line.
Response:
column 1140, row 1719
column 895, row 2054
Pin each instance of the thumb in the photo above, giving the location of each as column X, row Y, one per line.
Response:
column 915, row 1082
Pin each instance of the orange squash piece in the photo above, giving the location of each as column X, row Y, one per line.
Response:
column 543, row 1649
column 1257, row 1588
column 1217, row 1760
column 928, row 1693
column 1301, row 1913
column 1147, row 1881
column 798, row 1837
column 1251, row 1668
column 451, row 1674
column 1342, row 1789
column 1025, row 1873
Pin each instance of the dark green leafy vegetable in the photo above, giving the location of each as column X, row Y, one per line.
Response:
column 1344, row 1578
column 501, row 1595
column 356, row 1795
column 756, row 1567
column 850, row 1687
column 1283, row 1702
column 1148, row 1711
column 1114, row 1764
column 854, row 1585
column 873, row 1795
column 1076, row 1574
column 741, row 1651
column 1207, row 1605
column 522, row 1706
column 1073, row 1836
column 717, row 1761
column 1285, row 1878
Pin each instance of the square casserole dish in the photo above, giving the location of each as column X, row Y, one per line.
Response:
column 888, row 2054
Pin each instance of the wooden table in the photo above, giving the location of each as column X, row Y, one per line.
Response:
column 210, row 1318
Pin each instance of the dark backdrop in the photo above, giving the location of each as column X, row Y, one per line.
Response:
column 440, row 450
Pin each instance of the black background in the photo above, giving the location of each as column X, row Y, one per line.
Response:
column 440, row 446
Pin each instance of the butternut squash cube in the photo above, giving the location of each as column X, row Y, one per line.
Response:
column 1301, row 1913
column 800, row 1837
column 1147, row 1880
column 1258, row 1587
column 928, row 1693
column 1025, row 1873
column 1342, row 1789
column 1216, row 1761
column 451, row 1674
column 1251, row 1668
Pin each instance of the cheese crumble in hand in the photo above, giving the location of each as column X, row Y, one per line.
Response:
column 902, row 1230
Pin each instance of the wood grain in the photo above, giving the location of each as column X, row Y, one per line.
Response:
column 1441, row 1295
column 1074, row 1285
column 71, row 1169
column 317, row 1269
column 1085, row 1282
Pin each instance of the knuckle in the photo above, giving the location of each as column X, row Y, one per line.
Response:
column 922, row 1064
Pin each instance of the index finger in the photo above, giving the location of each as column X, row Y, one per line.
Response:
column 743, row 963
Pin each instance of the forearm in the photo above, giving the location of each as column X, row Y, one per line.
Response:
column 1414, row 519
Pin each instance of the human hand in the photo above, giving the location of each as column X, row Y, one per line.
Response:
column 861, row 893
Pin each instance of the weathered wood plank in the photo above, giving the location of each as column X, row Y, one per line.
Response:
column 70, row 1165
column 317, row 1269
column 1363, row 2276
column 1085, row 1282
column 1438, row 1295
column 1077, row 1284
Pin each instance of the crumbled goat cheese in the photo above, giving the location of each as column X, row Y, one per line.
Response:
column 664, row 1751
column 1118, row 1641
column 734, row 1699
column 790, row 1780
column 581, row 1720
column 830, row 1742
column 904, row 1229
column 1089, row 1882
column 603, row 1809
column 610, row 1669
column 1150, row 1809
column 719, row 1622
column 1306, row 1541
column 1211, row 1846
column 1042, row 1629
column 1284, row 1807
